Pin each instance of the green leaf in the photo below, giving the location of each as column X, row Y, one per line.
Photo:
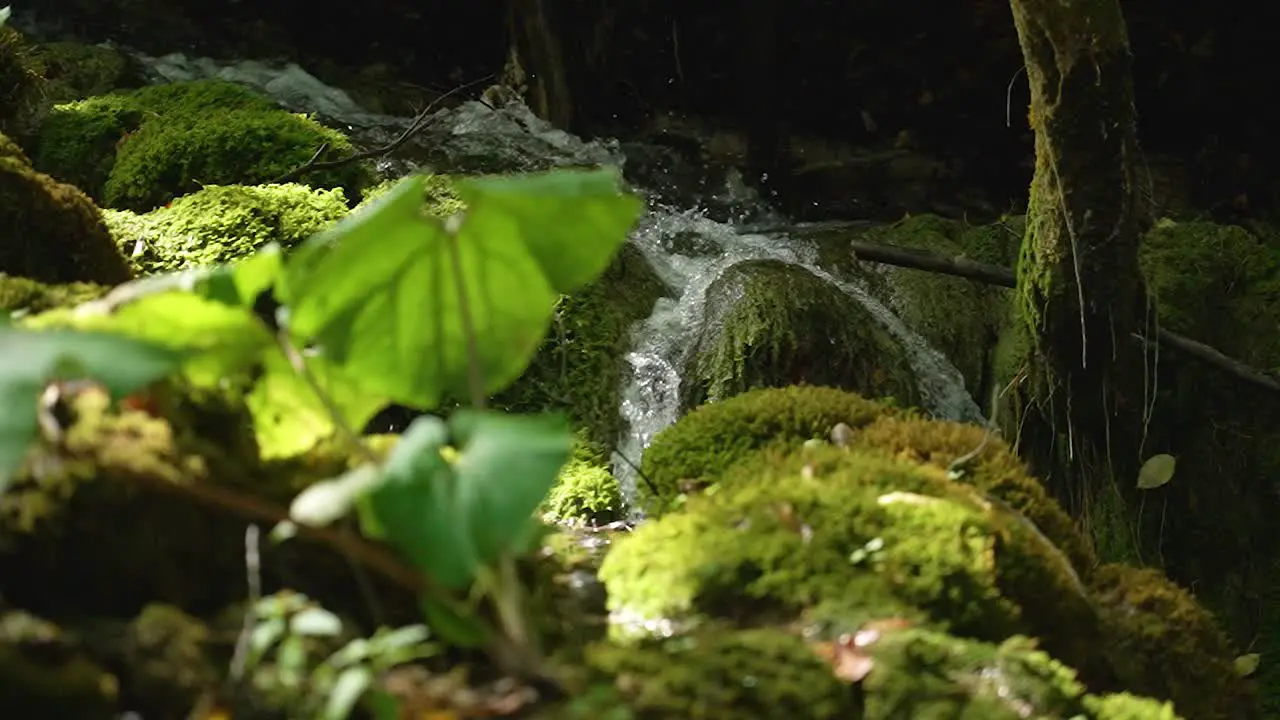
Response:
column 4, row 15
column 241, row 282
column 414, row 506
column 383, row 705
column 1156, row 471
column 289, row 418
column 29, row 360
column 315, row 622
column 381, row 292
column 572, row 222
column 1247, row 665
column 507, row 466
column 219, row 340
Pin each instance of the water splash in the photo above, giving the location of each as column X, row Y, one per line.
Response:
column 689, row 252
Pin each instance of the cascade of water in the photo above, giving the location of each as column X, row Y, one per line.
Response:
column 664, row 341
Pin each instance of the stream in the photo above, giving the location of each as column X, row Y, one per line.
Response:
column 687, row 246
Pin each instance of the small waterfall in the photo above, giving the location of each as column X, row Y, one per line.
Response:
column 687, row 248
column 664, row 342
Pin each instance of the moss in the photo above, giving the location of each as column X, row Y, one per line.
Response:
column 996, row 471
column 725, row 673
column 223, row 223
column 31, row 297
column 44, row 674
column 1166, row 645
column 139, row 149
column 926, row 675
column 770, row 324
column 1218, row 283
column 856, row 535
column 1124, row 706
column 584, row 492
column 441, row 200
column 75, row 71
column 957, row 316
column 50, row 231
column 579, row 367
column 707, row 441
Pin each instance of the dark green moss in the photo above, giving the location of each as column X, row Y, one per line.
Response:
column 1166, row 645
column 770, row 324
column 50, row 231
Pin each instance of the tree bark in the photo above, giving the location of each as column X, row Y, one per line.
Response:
column 1079, row 287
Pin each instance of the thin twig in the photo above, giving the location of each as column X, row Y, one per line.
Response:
column 253, row 580
column 418, row 123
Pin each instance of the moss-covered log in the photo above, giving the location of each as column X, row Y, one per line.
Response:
column 1080, row 293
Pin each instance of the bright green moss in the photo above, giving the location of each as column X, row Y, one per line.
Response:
column 139, row 149
column 219, row 224
column 707, row 441
column 31, row 297
column 724, row 673
column 584, row 492
column 996, row 471
column 1123, row 706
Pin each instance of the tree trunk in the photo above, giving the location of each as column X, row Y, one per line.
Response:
column 1080, row 294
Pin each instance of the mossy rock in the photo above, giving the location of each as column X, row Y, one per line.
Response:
column 1165, row 644
column 75, row 70
column 849, row 537
column 706, row 442
column 995, row 470
column 959, row 317
column 724, row 673
column 771, row 324
column 45, row 672
column 49, row 230
column 23, row 295
column 138, row 149
column 1219, row 284
column 219, row 224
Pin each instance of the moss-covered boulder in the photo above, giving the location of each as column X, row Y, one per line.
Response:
column 49, row 230
column 74, row 71
column 771, row 324
column 694, row 452
column 219, row 224
column 911, row 525
column 139, row 149
column 1165, row 644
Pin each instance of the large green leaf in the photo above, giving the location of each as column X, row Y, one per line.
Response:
column 30, row 359
column 571, row 222
column 382, row 291
column 507, row 465
column 289, row 418
column 414, row 507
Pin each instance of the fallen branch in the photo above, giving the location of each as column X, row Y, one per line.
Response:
column 419, row 122
column 1004, row 277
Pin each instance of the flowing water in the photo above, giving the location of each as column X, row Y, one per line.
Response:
column 688, row 249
